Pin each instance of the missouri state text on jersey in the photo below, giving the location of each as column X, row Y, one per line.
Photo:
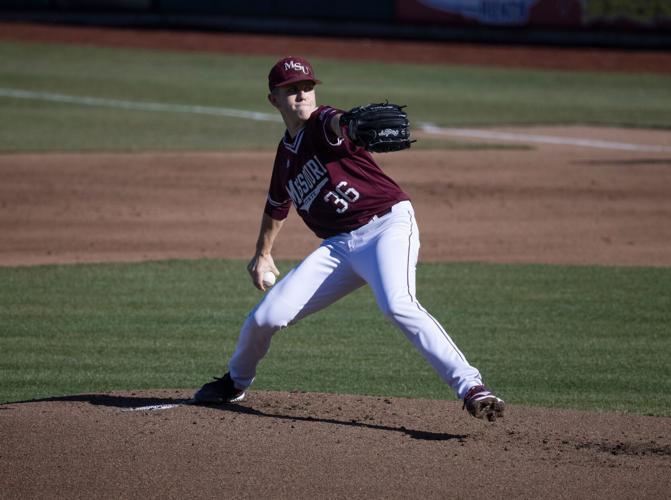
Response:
column 335, row 185
column 306, row 185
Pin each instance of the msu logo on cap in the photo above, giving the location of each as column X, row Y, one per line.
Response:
column 296, row 66
column 290, row 70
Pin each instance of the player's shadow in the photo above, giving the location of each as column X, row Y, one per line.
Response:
column 415, row 434
column 122, row 402
column 135, row 403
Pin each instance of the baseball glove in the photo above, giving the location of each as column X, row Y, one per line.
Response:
column 381, row 127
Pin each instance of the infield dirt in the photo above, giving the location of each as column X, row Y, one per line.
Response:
column 307, row 445
column 554, row 204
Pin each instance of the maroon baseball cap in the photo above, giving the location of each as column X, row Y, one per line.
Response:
column 290, row 70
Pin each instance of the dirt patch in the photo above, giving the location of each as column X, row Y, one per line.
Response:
column 554, row 204
column 298, row 445
column 550, row 204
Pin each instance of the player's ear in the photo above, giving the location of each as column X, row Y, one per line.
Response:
column 272, row 98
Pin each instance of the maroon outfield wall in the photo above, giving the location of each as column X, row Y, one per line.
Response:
column 629, row 15
column 630, row 23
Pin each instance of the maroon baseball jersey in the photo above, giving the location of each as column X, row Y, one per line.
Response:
column 335, row 185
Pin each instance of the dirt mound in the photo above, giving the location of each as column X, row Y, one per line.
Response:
column 306, row 445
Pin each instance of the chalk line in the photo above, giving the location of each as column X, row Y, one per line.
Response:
column 139, row 105
column 541, row 139
column 428, row 128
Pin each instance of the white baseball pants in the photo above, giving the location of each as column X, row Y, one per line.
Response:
column 383, row 254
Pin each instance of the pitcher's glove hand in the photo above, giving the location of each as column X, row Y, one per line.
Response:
column 381, row 127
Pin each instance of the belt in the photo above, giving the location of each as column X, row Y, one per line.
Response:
column 384, row 212
column 381, row 213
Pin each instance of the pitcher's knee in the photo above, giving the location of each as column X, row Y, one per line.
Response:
column 399, row 310
column 273, row 317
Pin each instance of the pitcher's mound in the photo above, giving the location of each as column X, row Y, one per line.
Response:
column 307, row 445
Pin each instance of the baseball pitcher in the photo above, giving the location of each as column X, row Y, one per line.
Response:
column 324, row 168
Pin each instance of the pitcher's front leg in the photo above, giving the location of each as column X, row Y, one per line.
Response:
column 321, row 279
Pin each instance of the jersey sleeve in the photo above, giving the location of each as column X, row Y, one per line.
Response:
column 329, row 138
column 278, row 202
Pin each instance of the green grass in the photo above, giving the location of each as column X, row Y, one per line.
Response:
column 441, row 94
column 580, row 337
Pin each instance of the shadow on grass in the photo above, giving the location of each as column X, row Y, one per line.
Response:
column 153, row 403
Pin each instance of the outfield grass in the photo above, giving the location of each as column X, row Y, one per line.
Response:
column 440, row 94
column 579, row 337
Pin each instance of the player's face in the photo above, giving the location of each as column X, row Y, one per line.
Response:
column 296, row 101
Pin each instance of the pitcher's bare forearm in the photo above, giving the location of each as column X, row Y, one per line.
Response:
column 269, row 230
column 263, row 260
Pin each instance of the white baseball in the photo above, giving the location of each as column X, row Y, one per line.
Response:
column 268, row 279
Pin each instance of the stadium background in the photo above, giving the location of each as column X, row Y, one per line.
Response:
column 625, row 23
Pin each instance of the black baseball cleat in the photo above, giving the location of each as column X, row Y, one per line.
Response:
column 221, row 391
column 481, row 403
